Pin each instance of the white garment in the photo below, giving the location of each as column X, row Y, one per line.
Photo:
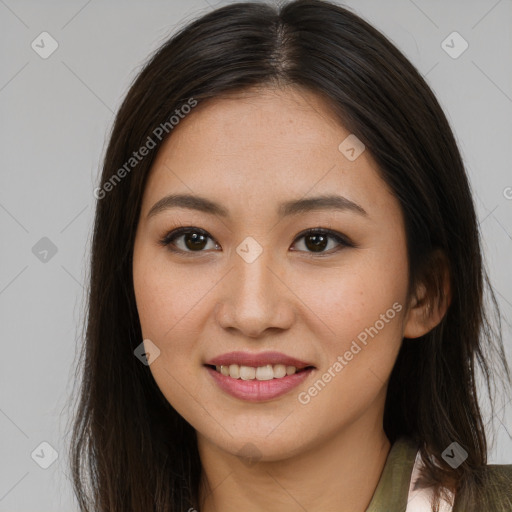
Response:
column 419, row 500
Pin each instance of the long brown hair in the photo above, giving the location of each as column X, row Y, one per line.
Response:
column 130, row 449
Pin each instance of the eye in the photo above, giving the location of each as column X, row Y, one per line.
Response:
column 192, row 240
column 316, row 240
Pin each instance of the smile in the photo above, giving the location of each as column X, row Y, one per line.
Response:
column 267, row 372
column 258, row 384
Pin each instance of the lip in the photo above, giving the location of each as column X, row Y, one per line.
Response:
column 258, row 390
column 255, row 360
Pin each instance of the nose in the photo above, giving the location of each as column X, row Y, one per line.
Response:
column 255, row 299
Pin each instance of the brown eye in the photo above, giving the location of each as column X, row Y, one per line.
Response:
column 318, row 240
column 316, row 243
column 195, row 241
column 187, row 240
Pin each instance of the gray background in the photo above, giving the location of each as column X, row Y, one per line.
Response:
column 55, row 114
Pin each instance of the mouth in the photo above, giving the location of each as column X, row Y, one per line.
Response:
column 258, row 377
column 267, row 372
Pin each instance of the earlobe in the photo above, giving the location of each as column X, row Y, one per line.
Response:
column 431, row 299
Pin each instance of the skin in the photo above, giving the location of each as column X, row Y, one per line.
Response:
column 249, row 153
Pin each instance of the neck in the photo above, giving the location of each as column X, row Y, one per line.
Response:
column 339, row 474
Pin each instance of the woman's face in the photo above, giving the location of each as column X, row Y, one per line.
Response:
column 257, row 171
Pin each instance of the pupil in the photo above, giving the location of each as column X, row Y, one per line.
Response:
column 318, row 242
column 195, row 241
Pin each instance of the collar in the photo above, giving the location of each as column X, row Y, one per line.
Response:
column 392, row 491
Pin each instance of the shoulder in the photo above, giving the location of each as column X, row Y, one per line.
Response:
column 488, row 488
column 502, row 471
column 494, row 490
column 498, row 478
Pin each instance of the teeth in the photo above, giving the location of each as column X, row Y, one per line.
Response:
column 234, row 371
column 267, row 372
column 247, row 372
column 279, row 371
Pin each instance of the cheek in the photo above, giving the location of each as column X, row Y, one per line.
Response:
column 165, row 301
column 352, row 298
column 360, row 309
column 358, row 353
column 171, row 308
column 166, row 298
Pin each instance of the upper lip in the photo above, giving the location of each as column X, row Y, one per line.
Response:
column 256, row 360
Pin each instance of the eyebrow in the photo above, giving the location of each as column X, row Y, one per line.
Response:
column 288, row 208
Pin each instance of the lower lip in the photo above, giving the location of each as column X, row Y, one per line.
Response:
column 258, row 390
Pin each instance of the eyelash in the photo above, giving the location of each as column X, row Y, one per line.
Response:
column 176, row 233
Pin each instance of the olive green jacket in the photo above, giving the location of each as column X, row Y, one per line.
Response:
column 392, row 492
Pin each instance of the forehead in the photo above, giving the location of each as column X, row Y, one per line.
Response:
column 268, row 120
column 276, row 143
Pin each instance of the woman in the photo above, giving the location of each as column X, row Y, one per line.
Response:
column 285, row 308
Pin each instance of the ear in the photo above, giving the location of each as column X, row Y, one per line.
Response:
column 431, row 298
